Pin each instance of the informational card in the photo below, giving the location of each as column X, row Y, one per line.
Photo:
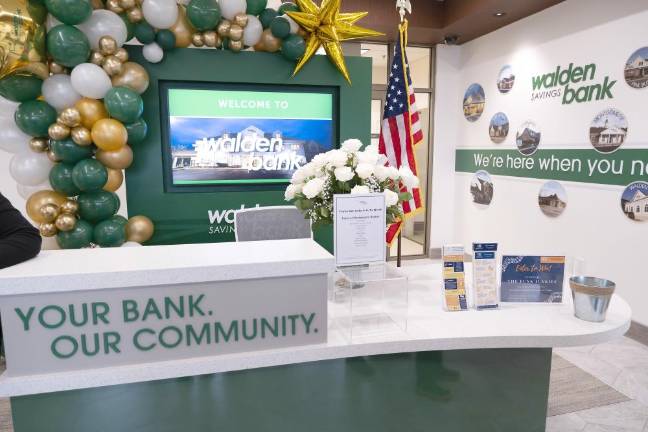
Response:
column 454, row 278
column 532, row 278
column 485, row 275
column 359, row 229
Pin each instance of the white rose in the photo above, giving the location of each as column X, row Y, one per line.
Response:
column 298, row 177
column 408, row 178
column 369, row 156
column 391, row 198
column 319, row 161
column 313, row 187
column 308, row 171
column 360, row 190
column 393, row 173
column 381, row 172
column 291, row 191
column 337, row 158
column 344, row 173
column 352, row 145
column 364, row 170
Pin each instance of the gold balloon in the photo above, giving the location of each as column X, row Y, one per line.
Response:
column 107, row 45
column 259, row 46
column 197, row 40
column 39, row 145
column 113, row 6
column 91, row 110
column 38, row 200
column 135, row 15
column 117, row 159
column 133, row 76
column 127, row 4
column 21, row 40
column 139, row 229
column 241, row 19
column 182, row 29
column 39, row 69
column 96, row 58
column 328, row 27
column 81, row 136
column 49, row 212
column 56, row 68
column 223, row 28
column 69, row 207
column 65, row 222
column 109, row 134
column 52, row 156
column 235, row 46
column 122, row 55
column 211, row 39
column 269, row 42
column 236, row 32
column 115, row 179
column 97, row 4
column 70, row 117
column 47, row 229
column 58, row 131
column 112, row 65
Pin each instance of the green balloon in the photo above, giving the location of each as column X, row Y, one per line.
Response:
column 280, row 27
column 37, row 11
column 69, row 151
column 34, row 117
column 130, row 26
column 136, row 131
column 68, row 45
column 124, row 104
column 69, row 11
column 120, row 219
column 288, row 7
column 109, row 233
column 144, row 33
column 20, row 88
column 166, row 39
column 60, row 178
column 267, row 16
column 89, row 175
column 95, row 206
column 203, row 14
column 293, row 47
column 255, row 7
column 78, row 237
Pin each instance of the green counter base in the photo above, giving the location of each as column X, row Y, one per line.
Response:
column 503, row 390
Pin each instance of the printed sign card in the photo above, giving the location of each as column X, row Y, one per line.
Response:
column 532, row 278
column 359, row 229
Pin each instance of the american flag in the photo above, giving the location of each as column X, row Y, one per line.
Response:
column 401, row 126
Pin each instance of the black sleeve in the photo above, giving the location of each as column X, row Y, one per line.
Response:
column 19, row 240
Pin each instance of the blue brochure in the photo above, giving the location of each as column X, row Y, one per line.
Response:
column 532, row 278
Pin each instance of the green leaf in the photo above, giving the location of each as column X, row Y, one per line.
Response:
column 404, row 196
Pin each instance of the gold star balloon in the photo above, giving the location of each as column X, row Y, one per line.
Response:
column 328, row 27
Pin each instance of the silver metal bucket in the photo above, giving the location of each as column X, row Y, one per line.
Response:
column 591, row 297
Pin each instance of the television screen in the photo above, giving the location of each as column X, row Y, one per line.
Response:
column 245, row 134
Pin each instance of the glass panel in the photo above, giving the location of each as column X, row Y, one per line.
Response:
column 419, row 61
column 378, row 54
column 376, row 115
column 413, row 231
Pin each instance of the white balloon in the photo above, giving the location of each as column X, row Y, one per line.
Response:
column 229, row 8
column 161, row 14
column 30, row 168
column 51, row 22
column 153, row 53
column 294, row 27
column 90, row 80
column 130, row 244
column 103, row 22
column 58, row 91
column 252, row 32
column 7, row 107
column 12, row 139
column 27, row 191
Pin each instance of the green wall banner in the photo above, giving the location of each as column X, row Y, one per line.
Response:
column 577, row 165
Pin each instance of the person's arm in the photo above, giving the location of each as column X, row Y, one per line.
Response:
column 19, row 240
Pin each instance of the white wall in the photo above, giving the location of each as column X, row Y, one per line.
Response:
column 592, row 226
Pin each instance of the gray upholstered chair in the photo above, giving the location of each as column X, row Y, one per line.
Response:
column 271, row 223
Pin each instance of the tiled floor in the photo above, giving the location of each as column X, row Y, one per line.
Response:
column 623, row 365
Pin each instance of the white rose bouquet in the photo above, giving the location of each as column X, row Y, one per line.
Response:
column 348, row 170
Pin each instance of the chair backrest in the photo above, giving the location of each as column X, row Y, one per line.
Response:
column 271, row 223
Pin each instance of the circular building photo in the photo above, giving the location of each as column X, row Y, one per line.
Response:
column 634, row 201
column 505, row 79
column 481, row 188
column 608, row 130
column 527, row 138
column 473, row 102
column 552, row 198
column 636, row 69
column 499, row 127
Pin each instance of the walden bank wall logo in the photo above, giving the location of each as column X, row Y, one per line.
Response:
column 572, row 84
column 221, row 221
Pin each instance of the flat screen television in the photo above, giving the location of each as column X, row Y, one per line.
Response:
column 235, row 136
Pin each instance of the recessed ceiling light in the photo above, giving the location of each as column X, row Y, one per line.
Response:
column 499, row 14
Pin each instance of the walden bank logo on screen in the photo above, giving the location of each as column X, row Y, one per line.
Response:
column 572, row 84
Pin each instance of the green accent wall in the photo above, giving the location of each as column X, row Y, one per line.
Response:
column 489, row 390
column 204, row 215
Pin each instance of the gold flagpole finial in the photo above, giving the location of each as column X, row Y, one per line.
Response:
column 403, row 6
